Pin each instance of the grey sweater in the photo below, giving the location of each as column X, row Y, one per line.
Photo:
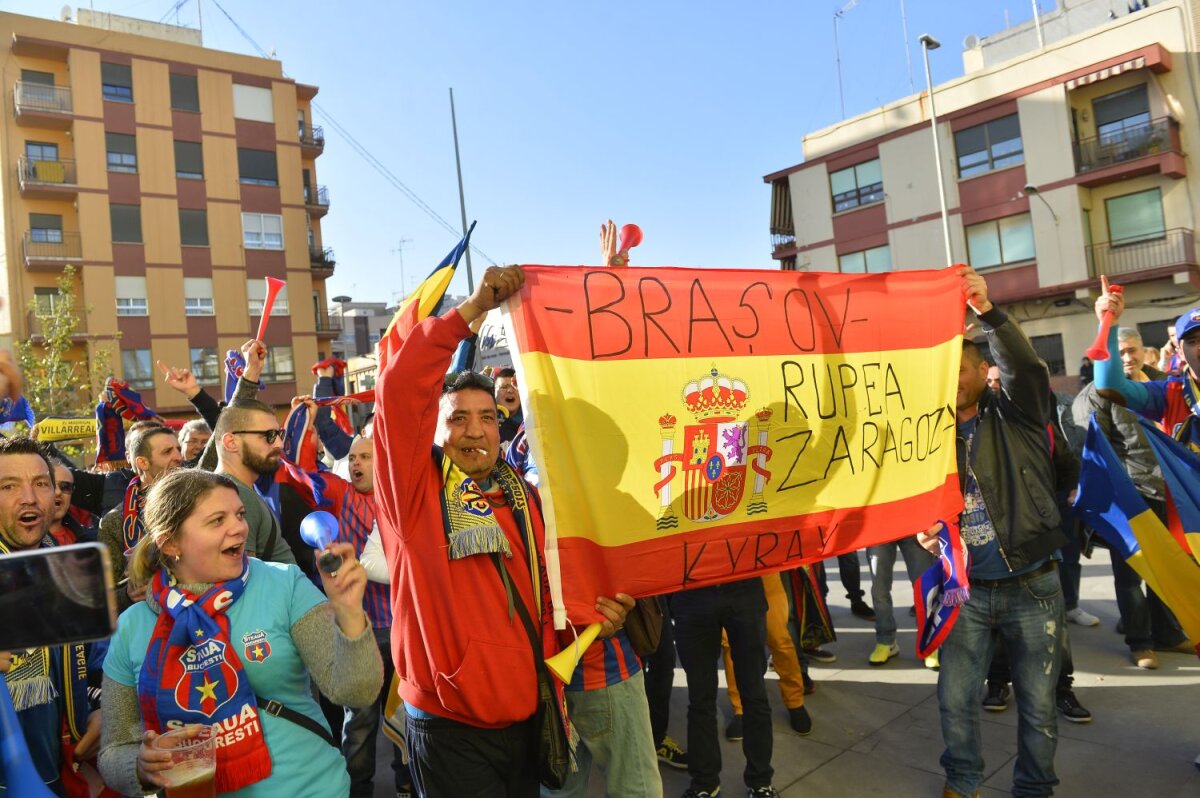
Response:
column 348, row 672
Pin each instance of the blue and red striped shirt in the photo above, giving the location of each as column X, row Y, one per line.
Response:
column 605, row 663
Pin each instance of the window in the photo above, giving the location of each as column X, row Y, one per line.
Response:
column 1120, row 114
column 131, row 296
column 189, row 160
column 116, row 82
column 45, row 228
column 1007, row 240
column 992, row 145
column 193, row 228
column 185, row 96
column 256, row 293
column 197, row 296
column 38, row 88
column 279, row 367
column 135, row 368
column 1135, row 217
column 45, row 300
column 856, row 185
column 868, row 261
column 206, row 365
column 36, row 77
column 262, row 231
column 257, row 167
column 122, row 152
column 1050, row 349
column 40, row 151
column 253, row 103
column 126, row 223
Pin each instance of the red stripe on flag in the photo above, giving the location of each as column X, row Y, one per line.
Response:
column 628, row 314
column 715, row 555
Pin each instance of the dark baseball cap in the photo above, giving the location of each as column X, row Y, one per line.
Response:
column 1189, row 321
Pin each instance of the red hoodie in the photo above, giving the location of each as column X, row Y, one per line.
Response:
column 457, row 652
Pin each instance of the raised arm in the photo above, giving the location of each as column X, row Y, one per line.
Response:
column 1110, row 377
column 333, row 437
column 247, row 388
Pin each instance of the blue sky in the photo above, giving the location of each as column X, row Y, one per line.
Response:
column 662, row 113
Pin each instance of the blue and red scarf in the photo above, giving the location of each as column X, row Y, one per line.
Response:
column 941, row 591
column 192, row 674
column 132, row 507
column 338, row 411
column 235, row 366
column 118, row 401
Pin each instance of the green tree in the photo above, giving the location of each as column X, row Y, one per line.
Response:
column 57, row 381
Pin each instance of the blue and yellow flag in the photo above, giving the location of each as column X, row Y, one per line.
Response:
column 1109, row 503
column 421, row 303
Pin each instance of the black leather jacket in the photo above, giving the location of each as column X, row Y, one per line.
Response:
column 1012, row 462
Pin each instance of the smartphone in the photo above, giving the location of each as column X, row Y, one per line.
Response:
column 55, row 596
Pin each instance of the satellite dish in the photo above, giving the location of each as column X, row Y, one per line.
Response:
column 971, row 42
column 65, row 14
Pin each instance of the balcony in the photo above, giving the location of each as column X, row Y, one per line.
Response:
column 322, row 261
column 328, row 325
column 1175, row 251
column 312, row 141
column 316, row 199
column 1139, row 150
column 39, row 105
column 40, row 179
column 37, row 327
column 51, row 250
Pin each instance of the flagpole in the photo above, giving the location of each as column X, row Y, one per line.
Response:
column 462, row 202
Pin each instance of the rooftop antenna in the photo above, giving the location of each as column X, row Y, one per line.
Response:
column 912, row 87
column 399, row 250
column 837, row 51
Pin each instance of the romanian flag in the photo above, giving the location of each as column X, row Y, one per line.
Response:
column 702, row 426
column 422, row 302
column 1109, row 503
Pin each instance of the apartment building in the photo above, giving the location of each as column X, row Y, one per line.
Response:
column 173, row 178
column 1064, row 154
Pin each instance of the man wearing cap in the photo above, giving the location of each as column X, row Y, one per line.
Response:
column 1171, row 401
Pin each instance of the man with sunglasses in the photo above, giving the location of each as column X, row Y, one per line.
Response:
column 250, row 445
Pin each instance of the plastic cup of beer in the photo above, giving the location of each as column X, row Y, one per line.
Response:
column 193, row 761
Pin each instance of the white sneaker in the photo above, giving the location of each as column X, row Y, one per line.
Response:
column 1082, row 617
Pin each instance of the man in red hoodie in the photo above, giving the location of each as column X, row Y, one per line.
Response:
column 449, row 513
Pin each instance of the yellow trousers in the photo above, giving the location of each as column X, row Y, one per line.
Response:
column 783, row 650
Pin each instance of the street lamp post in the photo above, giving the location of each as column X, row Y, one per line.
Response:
column 929, row 43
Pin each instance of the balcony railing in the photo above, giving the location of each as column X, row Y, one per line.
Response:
column 1175, row 247
column 781, row 240
column 34, row 172
column 1155, row 136
column 37, row 328
column 51, row 247
column 312, row 137
column 321, row 259
column 316, row 197
column 328, row 322
column 42, row 99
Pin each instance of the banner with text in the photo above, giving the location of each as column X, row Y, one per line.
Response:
column 697, row 426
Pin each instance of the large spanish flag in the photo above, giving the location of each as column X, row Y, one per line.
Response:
column 697, row 426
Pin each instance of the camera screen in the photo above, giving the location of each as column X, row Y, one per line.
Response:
column 55, row 596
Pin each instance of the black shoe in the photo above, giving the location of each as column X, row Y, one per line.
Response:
column 1072, row 710
column 861, row 609
column 820, row 655
column 671, row 754
column 692, row 792
column 762, row 792
column 996, row 699
column 733, row 732
column 800, row 720
column 810, row 686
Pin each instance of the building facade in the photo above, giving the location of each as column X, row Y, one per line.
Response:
column 1063, row 162
column 173, row 179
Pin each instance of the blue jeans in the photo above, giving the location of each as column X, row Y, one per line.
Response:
column 1026, row 613
column 882, row 559
column 362, row 725
column 614, row 732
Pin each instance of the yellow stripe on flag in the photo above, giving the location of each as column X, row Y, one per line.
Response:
column 1168, row 570
column 832, row 431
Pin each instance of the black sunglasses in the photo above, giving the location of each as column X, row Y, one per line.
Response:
column 456, row 380
column 271, row 435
